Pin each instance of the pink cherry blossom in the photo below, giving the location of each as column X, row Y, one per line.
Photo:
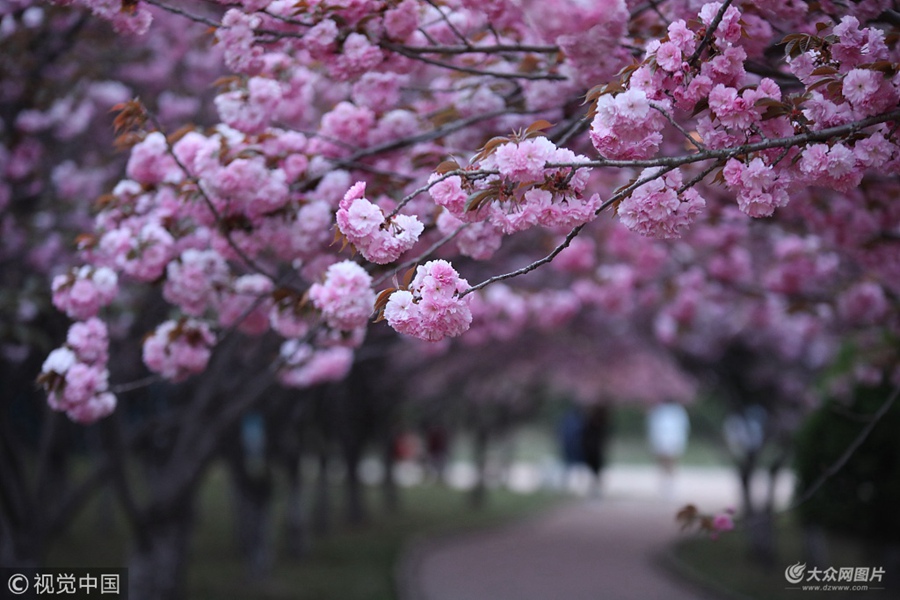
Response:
column 82, row 292
column 863, row 304
column 656, row 209
column 90, row 341
column 626, row 127
column 194, row 281
column 431, row 309
column 345, row 298
column 378, row 240
column 525, row 160
column 150, row 161
column 305, row 367
column 178, row 349
column 669, row 57
column 246, row 304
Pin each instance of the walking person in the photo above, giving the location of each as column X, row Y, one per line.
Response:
column 668, row 428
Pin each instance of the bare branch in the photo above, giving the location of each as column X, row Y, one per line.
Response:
column 431, row 250
column 848, row 453
column 710, row 31
column 470, row 70
column 449, row 23
column 183, row 13
column 677, row 126
column 820, row 135
column 493, row 49
column 528, row 268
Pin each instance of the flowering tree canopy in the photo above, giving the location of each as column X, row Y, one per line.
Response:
column 413, row 161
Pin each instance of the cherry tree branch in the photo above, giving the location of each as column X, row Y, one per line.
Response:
column 670, row 163
column 137, row 384
column 493, row 49
column 710, row 31
column 426, row 136
column 677, row 126
column 255, row 266
column 183, row 13
column 531, row 267
column 821, row 135
column 449, row 23
column 650, row 5
column 402, row 50
column 832, row 470
column 428, row 252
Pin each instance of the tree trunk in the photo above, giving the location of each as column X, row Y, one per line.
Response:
column 322, row 504
column 251, row 479
column 760, row 521
column 296, row 543
column 252, row 513
column 478, row 496
column 356, row 512
column 389, row 491
column 22, row 547
column 761, row 533
column 814, row 546
column 157, row 566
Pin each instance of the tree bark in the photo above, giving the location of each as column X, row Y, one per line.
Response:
column 814, row 546
column 296, row 537
column 760, row 520
column 355, row 507
column 322, row 501
column 478, row 497
column 252, row 493
column 157, row 566
column 390, row 493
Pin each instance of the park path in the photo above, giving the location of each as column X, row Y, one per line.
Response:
column 604, row 548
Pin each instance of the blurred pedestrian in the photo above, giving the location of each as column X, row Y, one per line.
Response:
column 571, row 426
column 594, row 437
column 437, row 447
column 668, row 428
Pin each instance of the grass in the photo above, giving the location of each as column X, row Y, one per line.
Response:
column 724, row 565
column 351, row 563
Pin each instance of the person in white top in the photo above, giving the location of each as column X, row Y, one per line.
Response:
column 668, row 428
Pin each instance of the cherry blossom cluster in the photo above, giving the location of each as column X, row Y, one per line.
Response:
column 246, row 304
column 303, row 365
column 760, row 189
column 626, row 126
column 846, row 78
column 525, row 193
column 133, row 19
column 195, row 280
column 660, row 208
column 345, row 298
column 864, row 303
column 691, row 519
column 84, row 290
column 75, row 375
column 178, row 349
column 359, row 122
column 379, row 240
column 431, row 307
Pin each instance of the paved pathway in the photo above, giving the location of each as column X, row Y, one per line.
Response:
column 603, row 548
